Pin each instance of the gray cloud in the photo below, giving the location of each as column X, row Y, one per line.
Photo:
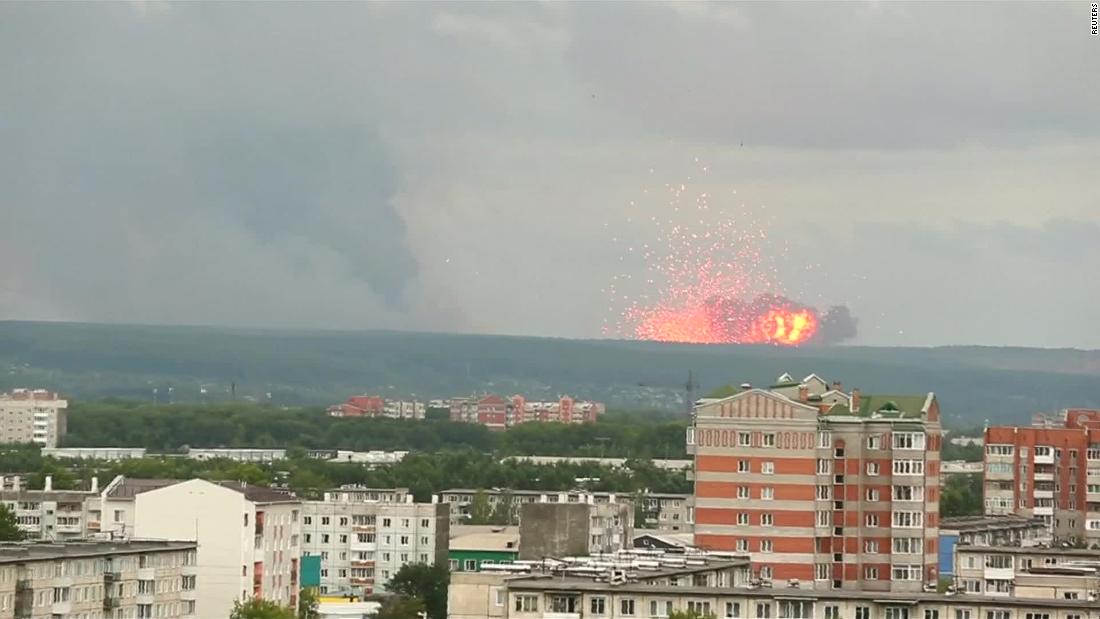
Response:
column 453, row 167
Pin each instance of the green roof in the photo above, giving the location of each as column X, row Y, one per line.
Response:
column 723, row 392
column 892, row 406
column 789, row 383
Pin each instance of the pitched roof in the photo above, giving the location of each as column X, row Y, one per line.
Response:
column 888, row 406
column 129, row 488
column 260, row 494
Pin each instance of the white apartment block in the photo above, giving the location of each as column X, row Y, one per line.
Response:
column 32, row 416
column 240, row 455
column 111, row 512
column 363, row 543
column 109, row 454
column 248, row 538
column 98, row 580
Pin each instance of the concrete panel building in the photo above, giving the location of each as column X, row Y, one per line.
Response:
column 32, row 416
column 104, row 580
column 248, row 538
column 363, row 543
column 48, row 514
column 820, row 487
column 574, row 529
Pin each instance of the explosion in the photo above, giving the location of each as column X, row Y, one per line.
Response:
column 710, row 280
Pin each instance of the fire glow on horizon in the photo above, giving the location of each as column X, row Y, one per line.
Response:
column 709, row 278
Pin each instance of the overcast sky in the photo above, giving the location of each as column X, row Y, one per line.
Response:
column 463, row 167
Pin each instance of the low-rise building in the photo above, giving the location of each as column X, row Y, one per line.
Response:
column 32, row 416
column 240, row 455
column 363, row 494
column 109, row 580
column 574, row 529
column 111, row 512
column 664, row 511
column 363, row 539
column 995, row 570
column 49, row 514
column 94, row 453
column 248, row 538
column 474, row 546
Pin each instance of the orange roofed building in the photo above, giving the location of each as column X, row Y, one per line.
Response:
column 1049, row 471
column 820, row 487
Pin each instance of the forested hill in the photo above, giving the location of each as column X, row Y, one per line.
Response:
column 316, row 367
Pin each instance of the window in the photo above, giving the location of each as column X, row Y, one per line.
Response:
column 527, row 603
column 824, row 467
column 744, row 439
column 908, row 467
column 908, row 520
column 742, row 466
column 1001, row 562
column 469, row 565
column 564, row 604
column 742, row 518
column 767, row 467
column 660, row 608
column 598, row 605
column 908, row 493
column 870, row 520
column 308, row 538
column 766, row 572
column 908, row 440
column 325, row 521
column 824, row 440
column 872, row 468
column 768, row 439
column 832, row 612
column 905, row 572
column 733, row 610
column 386, row 522
column 626, row 607
column 404, row 541
column 324, row 538
column 897, row 612
column 907, row 545
column 873, row 442
column 343, row 539
column 863, row 612
column 962, row 613
column 698, row 608
column 763, row 609
column 872, row 494
column 742, row 545
column 824, row 519
column 824, row 493
column 795, row 609
column 998, row 614
column 821, row 571
column 742, row 492
column 870, row 546
column 499, row 596
column 870, row 573
column 767, row 520
column 767, row 493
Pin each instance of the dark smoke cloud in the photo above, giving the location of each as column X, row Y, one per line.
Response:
column 836, row 325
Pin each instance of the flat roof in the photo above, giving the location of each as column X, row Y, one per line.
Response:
column 21, row 552
column 1029, row 550
column 587, row 585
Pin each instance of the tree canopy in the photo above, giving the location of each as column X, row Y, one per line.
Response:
column 423, row 582
column 9, row 526
column 260, row 609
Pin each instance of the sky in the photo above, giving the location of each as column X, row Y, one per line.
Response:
column 483, row 167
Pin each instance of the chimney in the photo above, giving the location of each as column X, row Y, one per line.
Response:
column 803, row 393
column 837, row 386
column 855, row 400
column 95, row 484
column 49, row 483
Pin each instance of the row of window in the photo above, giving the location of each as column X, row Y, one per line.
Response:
column 366, row 520
column 899, row 519
column 364, row 538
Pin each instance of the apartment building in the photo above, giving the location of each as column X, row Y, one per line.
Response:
column 638, row 595
column 820, row 487
column 98, row 580
column 574, row 529
column 1048, row 471
column 49, row 514
column 239, row 455
column 498, row 413
column 248, row 538
column 377, row 406
column 997, row 570
column 111, row 512
column 662, row 511
column 363, row 543
column 110, row 454
column 32, row 416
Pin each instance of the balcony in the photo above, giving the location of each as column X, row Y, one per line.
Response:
column 93, row 525
column 1046, row 457
column 111, row 603
column 147, row 573
column 61, row 608
column 998, row 573
column 358, row 563
column 363, row 528
column 1043, row 494
column 1044, row 476
column 1043, row 510
column 362, row 581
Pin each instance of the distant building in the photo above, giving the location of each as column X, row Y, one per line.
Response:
column 574, row 529
column 111, row 512
column 665, row 511
column 472, row 546
column 1050, row 472
column 48, row 514
column 375, row 458
column 138, row 579
column 364, row 539
column 498, row 413
column 32, row 416
column 988, row 531
column 377, row 406
column 248, row 538
column 94, row 453
column 240, row 455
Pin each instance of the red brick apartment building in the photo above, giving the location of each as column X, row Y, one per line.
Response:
column 826, row 488
column 1048, row 471
column 498, row 413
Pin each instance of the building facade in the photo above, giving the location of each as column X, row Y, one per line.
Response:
column 98, row 580
column 820, row 487
column 377, row 406
column 671, row 512
column 498, row 413
column 248, row 538
column 1049, row 472
column 94, row 453
column 574, row 529
column 363, row 543
column 32, row 416
column 474, row 546
column 1069, row 573
column 48, row 514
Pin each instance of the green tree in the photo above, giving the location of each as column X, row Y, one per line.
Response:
column 260, row 609
column 480, row 511
column 427, row 583
column 9, row 526
column 399, row 607
column 502, row 513
column 308, row 607
column 961, row 496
